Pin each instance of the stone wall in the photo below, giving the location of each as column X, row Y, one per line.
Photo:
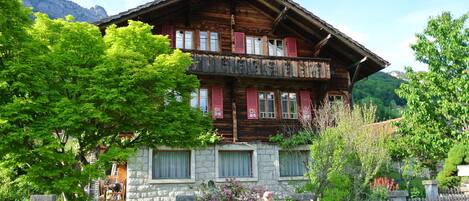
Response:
column 140, row 188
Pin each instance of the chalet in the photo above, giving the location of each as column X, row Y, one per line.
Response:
column 263, row 65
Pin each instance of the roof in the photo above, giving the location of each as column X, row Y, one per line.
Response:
column 328, row 27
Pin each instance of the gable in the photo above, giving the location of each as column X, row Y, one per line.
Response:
column 260, row 17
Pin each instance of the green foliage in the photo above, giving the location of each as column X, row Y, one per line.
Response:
column 458, row 155
column 14, row 18
column 379, row 194
column 379, row 90
column 72, row 90
column 339, row 188
column 436, row 115
column 341, row 165
column 290, row 141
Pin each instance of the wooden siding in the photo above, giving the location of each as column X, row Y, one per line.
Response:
column 249, row 18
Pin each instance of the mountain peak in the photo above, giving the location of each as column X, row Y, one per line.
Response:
column 61, row 8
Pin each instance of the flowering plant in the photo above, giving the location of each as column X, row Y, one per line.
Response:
column 384, row 182
column 231, row 190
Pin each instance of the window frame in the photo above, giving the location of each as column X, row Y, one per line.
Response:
column 184, row 31
column 209, row 41
column 266, row 105
column 253, row 48
column 335, row 94
column 276, row 47
column 151, row 180
column 288, row 105
column 236, row 147
column 198, row 100
column 277, row 163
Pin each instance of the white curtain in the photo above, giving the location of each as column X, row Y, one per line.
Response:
column 171, row 165
column 293, row 163
column 235, row 164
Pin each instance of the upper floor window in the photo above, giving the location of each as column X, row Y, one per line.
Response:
column 203, row 44
column 289, row 106
column 253, row 45
column 214, row 42
column 208, row 41
column 199, row 99
column 266, row 105
column 276, row 48
column 184, row 39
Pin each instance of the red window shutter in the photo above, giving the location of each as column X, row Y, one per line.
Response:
column 217, row 102
column 305, row 99
column 251, row 102
column 239, row 42
column 292, row 50
column 170, row 32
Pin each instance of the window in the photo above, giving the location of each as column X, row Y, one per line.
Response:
column 184, row 39
column 293, row 163
column 199, row 99
column 266, row 105
column 171, row 164
column 253, row 45
column 276, row 48
column 289, row 106
column 208, row 41
column 203, row 40
column 335, row 99
column 236, row 164
column 213, row 41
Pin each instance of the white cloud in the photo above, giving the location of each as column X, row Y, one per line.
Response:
column 401, row 55
column 355, row 35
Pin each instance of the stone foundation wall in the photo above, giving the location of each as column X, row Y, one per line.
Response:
column 139, row 187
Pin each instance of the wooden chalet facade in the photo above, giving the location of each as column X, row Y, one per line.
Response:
column 262, row 64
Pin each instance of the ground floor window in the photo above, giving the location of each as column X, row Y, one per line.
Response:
column 171, row 164
column 293, row 163
column 235, row 164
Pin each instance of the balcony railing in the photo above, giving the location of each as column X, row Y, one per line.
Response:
column 260, row 66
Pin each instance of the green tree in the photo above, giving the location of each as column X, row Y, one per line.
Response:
column 437, row 112
column 74, row 90
column 342, row 164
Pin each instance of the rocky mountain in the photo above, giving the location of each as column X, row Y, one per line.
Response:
column 62, row 8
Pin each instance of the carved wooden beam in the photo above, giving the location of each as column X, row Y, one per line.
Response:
column 320, row 44
column 357, row 66
column 281, row 16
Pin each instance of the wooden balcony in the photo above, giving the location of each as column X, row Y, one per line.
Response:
column 238, row 65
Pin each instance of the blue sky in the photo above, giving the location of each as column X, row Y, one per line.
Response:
column 387, row 27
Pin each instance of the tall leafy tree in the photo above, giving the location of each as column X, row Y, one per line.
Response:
column 437, row 112
column 73, row 90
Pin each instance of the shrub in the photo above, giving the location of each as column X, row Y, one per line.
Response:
column 458, row 155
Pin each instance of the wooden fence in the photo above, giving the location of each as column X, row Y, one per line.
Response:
column 448, row 195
